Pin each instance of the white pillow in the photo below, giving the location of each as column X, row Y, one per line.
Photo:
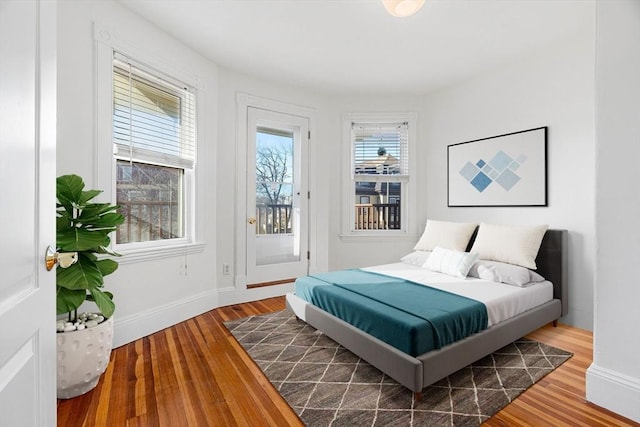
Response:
column 417, row 258
column 513, row 244
column 510, row 274
column 453, row 263
column 447, row 235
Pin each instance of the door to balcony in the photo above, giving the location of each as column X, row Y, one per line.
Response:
column 277, row 197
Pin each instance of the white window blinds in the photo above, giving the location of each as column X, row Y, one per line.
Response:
column 153, row 116
column 380, row 149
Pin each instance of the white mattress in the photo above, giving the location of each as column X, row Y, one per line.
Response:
column 502, row 301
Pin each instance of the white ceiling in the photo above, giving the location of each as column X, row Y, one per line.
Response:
column 354, row 46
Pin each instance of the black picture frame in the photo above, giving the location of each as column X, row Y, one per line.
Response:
column 508, row 170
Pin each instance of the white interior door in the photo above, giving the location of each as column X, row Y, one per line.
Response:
column 27, row 213
column 277, row 196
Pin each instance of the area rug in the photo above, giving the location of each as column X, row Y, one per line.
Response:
column 328, row 385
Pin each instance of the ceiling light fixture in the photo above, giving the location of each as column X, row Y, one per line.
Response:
column 402, row 8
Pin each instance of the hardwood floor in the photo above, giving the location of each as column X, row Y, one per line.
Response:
column 196, row 374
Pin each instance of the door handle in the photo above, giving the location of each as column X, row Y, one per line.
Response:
column 63, row 259
column 252, row 221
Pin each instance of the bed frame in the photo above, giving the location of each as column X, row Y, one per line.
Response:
column 418, row 372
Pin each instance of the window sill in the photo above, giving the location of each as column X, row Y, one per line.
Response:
column 148, row 254
column 386, row 238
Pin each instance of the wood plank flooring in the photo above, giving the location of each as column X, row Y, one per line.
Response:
column 196, row 374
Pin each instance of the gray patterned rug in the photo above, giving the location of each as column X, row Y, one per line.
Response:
column 329, row 386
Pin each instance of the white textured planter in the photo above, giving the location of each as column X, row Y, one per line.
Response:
column 82, row 357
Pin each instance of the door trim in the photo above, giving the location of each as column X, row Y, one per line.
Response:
column 243, row 102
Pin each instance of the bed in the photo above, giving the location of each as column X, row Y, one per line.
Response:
column 424, row 368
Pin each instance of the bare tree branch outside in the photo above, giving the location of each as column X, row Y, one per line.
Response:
column 274, row 181
column 272, row 170
column 150, row 199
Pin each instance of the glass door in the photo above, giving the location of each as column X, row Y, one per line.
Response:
column 277, row 197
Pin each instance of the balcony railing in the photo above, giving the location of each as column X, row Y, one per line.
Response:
column 157, row 220
column 273, row 219
column 379, row 216
column 149, row 220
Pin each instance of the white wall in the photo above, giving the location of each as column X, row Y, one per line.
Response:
column 552, row 87
column 149, row 295
column 613, row 380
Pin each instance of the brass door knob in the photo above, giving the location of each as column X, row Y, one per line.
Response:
column 252, row 221
column 63, row 259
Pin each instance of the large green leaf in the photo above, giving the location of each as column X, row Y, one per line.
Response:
column 69, row 299
column 85, row 196
column 104, row 302
column 93, row 257
column 84, row 274
column 63, row 221
column 107, row 293
column 93, row 210
column 107, row 266
column 69, row 189
column 109, row 221
column 104, row 250
column 79, row 239
column 66, row 209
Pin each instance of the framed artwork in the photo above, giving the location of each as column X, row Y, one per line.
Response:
column 503, row 170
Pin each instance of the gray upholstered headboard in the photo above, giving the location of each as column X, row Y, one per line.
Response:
column 552, row 262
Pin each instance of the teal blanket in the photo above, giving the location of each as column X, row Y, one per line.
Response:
column 409, row 316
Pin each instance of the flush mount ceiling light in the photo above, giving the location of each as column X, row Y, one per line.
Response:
column 402, row 8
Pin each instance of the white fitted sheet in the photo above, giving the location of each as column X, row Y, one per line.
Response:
column 502, row 301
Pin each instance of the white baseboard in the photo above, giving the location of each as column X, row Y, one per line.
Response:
column 133, row 327
column 232, row 295
column 614, row 391
column 130, row 328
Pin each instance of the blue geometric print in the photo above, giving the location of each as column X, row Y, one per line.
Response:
column 469, row 171
column 481, row 181
column 500, row 161
column 500, row 169
column 507, row 179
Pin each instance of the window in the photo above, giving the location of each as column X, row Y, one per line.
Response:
column 274, row 180
column 379, row 173
column 155, row 153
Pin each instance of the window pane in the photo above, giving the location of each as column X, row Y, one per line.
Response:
column 274, row 181
column 379, row 205
column 380, row 148
column 153, row 120
column 144, row 116
column 151, row 200
column 275, row 218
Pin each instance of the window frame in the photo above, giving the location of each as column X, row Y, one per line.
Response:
column 160, row 82
column 188, row 221
column 349, row 198
column 105, row 170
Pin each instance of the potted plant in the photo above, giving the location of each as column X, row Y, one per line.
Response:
column 84, row 341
